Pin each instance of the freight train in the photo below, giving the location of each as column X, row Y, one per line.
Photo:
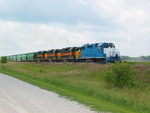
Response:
column 96, row 52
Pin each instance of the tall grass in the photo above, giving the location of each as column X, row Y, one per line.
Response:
column 85, row 83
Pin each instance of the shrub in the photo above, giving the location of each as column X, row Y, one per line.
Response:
column 120, row 75
column 4, row 59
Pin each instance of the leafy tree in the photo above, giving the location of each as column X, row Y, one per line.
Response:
column 145, row 58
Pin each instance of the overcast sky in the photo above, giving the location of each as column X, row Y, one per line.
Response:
column 33, row 25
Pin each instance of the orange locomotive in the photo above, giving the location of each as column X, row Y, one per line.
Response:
column 65, row 54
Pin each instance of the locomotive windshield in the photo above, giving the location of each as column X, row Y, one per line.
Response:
column 109, row 45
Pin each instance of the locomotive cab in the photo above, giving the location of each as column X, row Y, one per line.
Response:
column 111, row 53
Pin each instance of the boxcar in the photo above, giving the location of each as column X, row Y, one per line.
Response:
column 18, row 57
column 14, row 58
column 8, row 58
column 11, row 58
column 24, row 57
column 31, row 56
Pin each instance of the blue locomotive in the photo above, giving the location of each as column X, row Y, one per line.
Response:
column 100, row 52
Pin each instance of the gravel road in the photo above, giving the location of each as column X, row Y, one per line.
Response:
column 20, row 97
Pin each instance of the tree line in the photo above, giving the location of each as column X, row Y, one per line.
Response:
column 140, row 58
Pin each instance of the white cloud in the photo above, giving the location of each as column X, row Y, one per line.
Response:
column 123, row 11
column 20, row 37
column 123, row 22
column 83, row 2
column 53, row 37
column 2, row 1
column 131, row 19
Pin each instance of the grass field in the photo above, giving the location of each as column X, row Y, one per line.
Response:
column 85, row 83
